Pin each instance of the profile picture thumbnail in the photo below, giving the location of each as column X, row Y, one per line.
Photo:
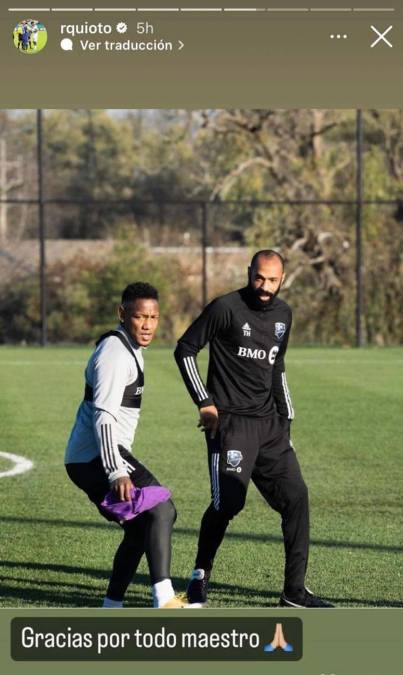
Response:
column 30, row 36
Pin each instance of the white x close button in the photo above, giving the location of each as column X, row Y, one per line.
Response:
column 381, row 37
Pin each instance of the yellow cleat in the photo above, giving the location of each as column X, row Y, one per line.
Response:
column 175, row 603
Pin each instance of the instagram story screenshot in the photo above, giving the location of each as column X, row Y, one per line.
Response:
column 201, row 336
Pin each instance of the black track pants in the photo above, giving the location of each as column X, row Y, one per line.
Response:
column 149, row 533
column 259, row 449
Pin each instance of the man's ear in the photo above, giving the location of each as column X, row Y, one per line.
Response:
column 249, row 274
column 283, row 279
column 121, row 313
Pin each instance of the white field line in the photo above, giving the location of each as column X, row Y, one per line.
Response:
column 21, row 464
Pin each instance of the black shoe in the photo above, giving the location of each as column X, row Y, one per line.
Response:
column 197, row 589
column 309, row 600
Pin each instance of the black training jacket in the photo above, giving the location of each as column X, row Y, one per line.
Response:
column 248, row 340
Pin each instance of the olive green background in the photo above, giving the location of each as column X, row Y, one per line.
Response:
column 263, row 59
column 336, row 642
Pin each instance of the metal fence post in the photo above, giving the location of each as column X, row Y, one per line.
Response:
column 204, row 240
column 42, row 232
column 359, row 274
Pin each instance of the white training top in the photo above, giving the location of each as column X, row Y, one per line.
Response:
column 103, row 423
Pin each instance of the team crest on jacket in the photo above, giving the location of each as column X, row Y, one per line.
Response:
column 279, row 329
column 234, row 457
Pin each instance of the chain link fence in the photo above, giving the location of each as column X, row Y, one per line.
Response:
column 210, row 245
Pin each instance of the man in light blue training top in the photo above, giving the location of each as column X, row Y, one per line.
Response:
column 98, row 458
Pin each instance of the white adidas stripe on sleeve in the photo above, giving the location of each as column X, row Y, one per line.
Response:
column 195, row 378
column 287, row 397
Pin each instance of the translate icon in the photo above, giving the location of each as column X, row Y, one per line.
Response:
column 67, row 45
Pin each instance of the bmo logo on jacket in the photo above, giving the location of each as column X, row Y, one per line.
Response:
column 259, row 354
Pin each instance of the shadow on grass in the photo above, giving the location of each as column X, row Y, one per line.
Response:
column 46, row 592
column 57, row 593
column 27, row 595
column 45, row 597
column 188, row 531
column 43, row 592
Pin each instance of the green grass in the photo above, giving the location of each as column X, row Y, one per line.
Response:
column 57, row 550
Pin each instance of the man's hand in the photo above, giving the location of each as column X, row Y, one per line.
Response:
column 209, row 420
column 122, row 487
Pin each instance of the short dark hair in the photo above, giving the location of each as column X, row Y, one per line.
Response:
column 139, row 290
column 267, row 253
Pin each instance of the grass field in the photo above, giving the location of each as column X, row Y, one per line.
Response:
column 57, row 551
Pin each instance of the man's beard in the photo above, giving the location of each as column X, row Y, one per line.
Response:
column 263, row 296
column 255, row 300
